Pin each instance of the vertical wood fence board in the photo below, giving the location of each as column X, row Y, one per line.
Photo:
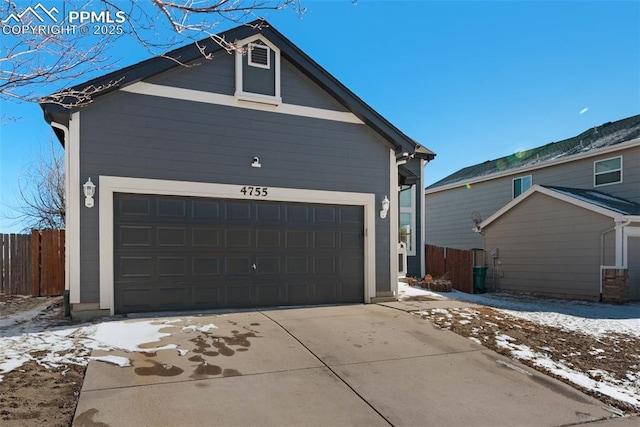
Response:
column 35, row 263
column 6, row 272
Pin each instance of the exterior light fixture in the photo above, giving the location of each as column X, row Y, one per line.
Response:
column 89, row 190
column 385, row 207
column 256, row 163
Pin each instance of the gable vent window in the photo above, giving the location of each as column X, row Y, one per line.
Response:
column 259, row 56
column 608, row 171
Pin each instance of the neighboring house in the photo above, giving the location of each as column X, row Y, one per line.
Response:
column 247, row 180
column 554, row 216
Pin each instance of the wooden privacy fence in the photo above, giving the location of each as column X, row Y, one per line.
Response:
column 453, row 264
column 32, row 264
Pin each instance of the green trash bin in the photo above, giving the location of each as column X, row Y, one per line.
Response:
column 479, row 278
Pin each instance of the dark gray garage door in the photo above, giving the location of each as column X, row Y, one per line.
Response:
column 185, row 253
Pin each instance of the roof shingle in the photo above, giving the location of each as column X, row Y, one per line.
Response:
column 607, row 134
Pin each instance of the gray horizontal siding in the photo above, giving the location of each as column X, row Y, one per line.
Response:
column 141, row 136
column 548, row 246
column 298, row 89
column 448, row 213
column 218, row 76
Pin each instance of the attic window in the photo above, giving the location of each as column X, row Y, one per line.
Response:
column 259, row 56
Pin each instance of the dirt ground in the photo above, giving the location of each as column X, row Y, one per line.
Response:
column 33, row 395
column 615, row 355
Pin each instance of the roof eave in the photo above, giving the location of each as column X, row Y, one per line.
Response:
column 616, row 216
column 186, row 54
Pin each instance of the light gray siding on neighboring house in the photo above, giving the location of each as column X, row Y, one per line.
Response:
column 548, row 246
column 448, row 213
column 125, row 134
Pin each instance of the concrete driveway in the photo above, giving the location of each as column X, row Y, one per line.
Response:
column 359, row 365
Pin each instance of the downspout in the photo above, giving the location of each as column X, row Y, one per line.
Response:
column 65, row 131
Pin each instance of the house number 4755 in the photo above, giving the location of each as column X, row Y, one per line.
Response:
column 254, row 191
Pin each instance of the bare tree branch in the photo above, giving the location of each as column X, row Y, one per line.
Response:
column 33, row 60
column 41, row 192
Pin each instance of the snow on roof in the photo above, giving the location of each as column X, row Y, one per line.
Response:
column 598, row 198
column 605, row 135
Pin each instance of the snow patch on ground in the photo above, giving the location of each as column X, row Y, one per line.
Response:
column 592, row 319
column 114, row 360
column 26, row 336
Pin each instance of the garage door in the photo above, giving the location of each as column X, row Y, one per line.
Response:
column 186, row 253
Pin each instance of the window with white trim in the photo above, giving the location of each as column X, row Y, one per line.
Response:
column 257, row 69
column 259, row 55
column 520, row 185
column 607, row 171
column 407, row 229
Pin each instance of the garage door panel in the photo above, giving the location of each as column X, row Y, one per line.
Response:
column 196, row 253
column 351, row 265
column 239, row 238
column 266, row 265
column 172, row 266
column 134, row 206
column 351, row 215
column 208, row 295
column 172, row 208
column 135, row 267
column 173, row 236
column 238, row 210
column 297, row 265
column 132, row 299
column 134, row 235
column 268, row 239
column 206, row 210
column 297, row 239
column 297, row 213
column 324, row 266
column 206, row 266
column 206, row 237
column 172, row 297
column 350, row 240
column 270, row 294
column 239, row 294
column 269, row 212
column 325, row 215
column 238, row 266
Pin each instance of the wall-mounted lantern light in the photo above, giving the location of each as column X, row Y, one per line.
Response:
column 89, row 190
column 385, row 207
column 256, row 163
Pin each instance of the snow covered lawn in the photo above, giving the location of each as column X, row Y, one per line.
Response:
column 595, row 347
column 43, row 356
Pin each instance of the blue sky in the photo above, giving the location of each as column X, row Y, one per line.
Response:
column 470, row 80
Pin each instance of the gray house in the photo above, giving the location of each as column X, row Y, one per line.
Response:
column 554, row 220
column 251, row 179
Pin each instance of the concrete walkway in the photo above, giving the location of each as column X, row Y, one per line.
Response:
column 359, row 365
